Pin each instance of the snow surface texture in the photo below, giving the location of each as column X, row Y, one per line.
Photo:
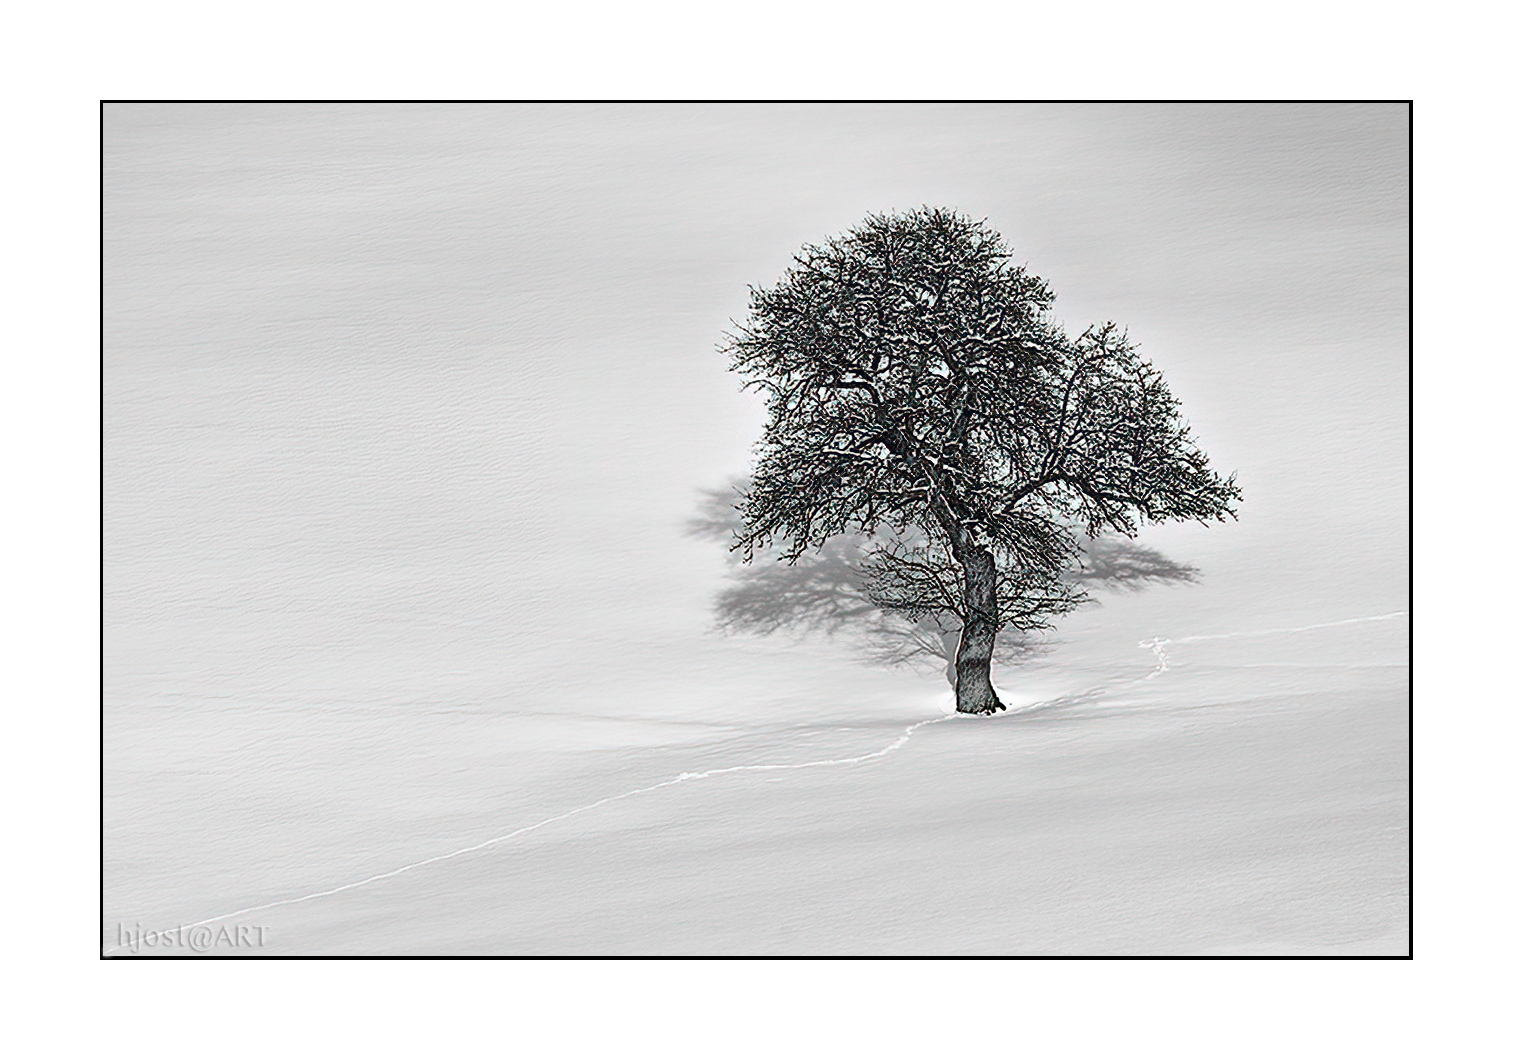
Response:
column 1157, row 645
column 407, row 651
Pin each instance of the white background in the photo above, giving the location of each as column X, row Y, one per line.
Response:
column 1453, row 880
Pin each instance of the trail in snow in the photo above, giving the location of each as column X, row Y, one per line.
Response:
column 681, row 778
column 1156, row 644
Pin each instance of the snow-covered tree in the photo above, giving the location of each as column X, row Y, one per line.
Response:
column 920, row 395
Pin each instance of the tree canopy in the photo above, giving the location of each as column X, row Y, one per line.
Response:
column 920, row 394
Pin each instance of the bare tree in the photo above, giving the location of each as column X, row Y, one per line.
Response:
column 920, row 396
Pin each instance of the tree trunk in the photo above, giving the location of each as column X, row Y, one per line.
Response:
column 950, row 643
column 974, row 655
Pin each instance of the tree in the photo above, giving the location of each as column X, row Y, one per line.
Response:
column 920, row 395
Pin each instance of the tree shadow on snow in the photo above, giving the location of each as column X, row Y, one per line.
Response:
column 825, row 592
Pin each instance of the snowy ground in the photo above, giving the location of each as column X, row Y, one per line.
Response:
column 406, row 412
column 1237, row 802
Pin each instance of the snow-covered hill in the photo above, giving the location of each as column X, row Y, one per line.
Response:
column 406, row 410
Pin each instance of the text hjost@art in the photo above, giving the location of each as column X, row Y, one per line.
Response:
column 200, row 938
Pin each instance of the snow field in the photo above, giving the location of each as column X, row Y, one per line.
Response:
column 1193, row 820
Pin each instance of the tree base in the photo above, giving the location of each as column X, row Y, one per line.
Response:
column 991, row 707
